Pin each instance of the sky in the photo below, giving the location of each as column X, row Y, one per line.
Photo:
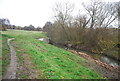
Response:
column 35, row 12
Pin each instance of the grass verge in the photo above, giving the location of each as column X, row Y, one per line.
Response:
column 5, row 53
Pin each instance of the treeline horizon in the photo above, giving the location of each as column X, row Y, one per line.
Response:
column 5, row 24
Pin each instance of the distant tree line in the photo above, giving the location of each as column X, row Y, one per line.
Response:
column 31, row 28
column 92, row 32
column 5, row 24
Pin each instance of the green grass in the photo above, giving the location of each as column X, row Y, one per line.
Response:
column 5, row 53
column 54, row 62
column 0, row 56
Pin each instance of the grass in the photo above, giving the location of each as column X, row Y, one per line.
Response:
column 5, row 53
column 53, row 62
column 0, row 56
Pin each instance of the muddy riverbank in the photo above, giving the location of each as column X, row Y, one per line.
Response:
column 101, row 56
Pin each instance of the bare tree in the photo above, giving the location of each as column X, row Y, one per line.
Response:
column 62, row 14
column 101, row 14
column 92, row 10
column 4, row 24
column 82, row 21
column 111, row 15
column 118, row 8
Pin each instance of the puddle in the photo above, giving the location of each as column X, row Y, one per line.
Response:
column 44, row 39
column 41, row 39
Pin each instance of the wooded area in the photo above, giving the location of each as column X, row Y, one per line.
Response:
column 92, row 32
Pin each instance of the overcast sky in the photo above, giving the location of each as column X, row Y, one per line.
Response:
column 35, row 12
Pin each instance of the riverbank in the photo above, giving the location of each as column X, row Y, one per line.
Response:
column 112, row 53
column 104, row 57
column 107, row 70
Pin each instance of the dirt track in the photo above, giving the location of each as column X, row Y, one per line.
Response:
column 12, row 69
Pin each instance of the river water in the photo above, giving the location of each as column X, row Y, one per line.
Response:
column 106, row 59
column 110, row 61
column 101, row 57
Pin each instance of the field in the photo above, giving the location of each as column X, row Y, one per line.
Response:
column 43, row 60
